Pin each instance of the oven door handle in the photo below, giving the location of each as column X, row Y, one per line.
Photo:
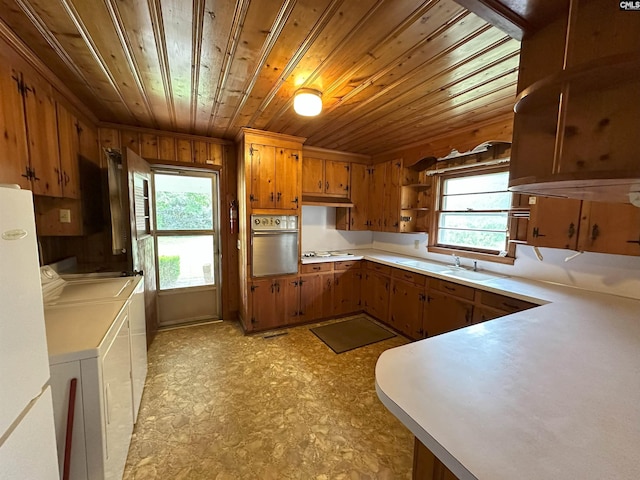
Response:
column 272, row 232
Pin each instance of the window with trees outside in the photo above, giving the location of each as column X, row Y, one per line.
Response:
column 473, row 212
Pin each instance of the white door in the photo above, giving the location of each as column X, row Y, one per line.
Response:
column 24, row 361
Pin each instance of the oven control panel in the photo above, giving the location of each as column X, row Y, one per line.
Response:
column 274, row 222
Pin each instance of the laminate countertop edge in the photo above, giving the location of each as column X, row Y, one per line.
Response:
column 549, row 392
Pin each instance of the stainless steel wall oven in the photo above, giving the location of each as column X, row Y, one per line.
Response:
column 274, row 245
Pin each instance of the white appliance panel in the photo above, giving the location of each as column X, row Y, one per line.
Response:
column 30, row 450
column 137, row 323
column 24, row 365
column 78, row 291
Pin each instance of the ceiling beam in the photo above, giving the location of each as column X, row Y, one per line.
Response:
column 498, row 15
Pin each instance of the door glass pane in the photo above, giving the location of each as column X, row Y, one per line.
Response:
column 183, row 203
column 185, row 261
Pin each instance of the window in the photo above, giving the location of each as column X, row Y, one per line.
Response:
column 473, row 212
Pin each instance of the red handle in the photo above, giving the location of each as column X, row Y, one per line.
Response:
column 69, row 435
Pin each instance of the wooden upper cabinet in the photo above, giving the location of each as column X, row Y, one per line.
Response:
column 312, row 175
column 375, row 207
column 554, row 222
column 262, row 164
column 14, row 156
column 273, row 169
column 42, row 136
column 288, row 172
column 586, row 226
column 69, row 144
column 325, row 177
column 610, row 228
column 359, row 196
column 391, row 208
column 336, row 178
column 576, row 114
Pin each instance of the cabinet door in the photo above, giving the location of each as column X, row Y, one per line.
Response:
column 291, row 292
column 610, row 228
column 311, row 289
column 69, row 148
column 359, row 196
column 376, row 198
column 391, row 209
column 346, row 292
column 378, row 295
column 265, row 308
column 405, row 308
column 262, row 164
column 482, row 314
column 42, row 134
column 288, row 168
column 312, row 175
column 14, row 158
column 554, row 222
column 336, row 178
column 327, row 295
column 444, row 313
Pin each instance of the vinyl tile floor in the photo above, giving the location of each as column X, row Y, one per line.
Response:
column 221, row 405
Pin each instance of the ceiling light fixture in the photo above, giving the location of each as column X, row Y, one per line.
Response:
column 307, row 102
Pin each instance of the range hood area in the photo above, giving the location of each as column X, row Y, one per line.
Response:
column 321, row 201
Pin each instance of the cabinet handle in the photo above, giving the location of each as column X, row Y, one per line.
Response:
column 447, row 287
column 327, row 186
column 572, row 230
column 316, row 268
column 536, row 233
column 279, row 195
column 27, row 173
column 634, row 241
column 33, row 175
column 319, row 183
column 272, row 196
column 595, row 232
column 66, row 179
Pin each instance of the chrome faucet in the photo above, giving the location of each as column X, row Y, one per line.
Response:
column 456, row 260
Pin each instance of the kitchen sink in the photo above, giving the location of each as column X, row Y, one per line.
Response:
column 411, row 263
column 471, row 275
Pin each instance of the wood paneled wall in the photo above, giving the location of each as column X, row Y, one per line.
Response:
column 462, row 140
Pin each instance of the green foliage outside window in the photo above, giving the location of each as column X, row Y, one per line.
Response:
column 169, row 266
column 183, row 211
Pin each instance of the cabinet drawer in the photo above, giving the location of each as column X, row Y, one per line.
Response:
column 412, row 277
column 376, row 267
column 316, row 267
column 346, row 265
column 451, row 288
column 506, row 304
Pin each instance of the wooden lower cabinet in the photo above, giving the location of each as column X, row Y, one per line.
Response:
column 444, row 313
column 347, row 278
column 311, row 297
column 267, row 302
column 406, row 305
column 376, row 295
column 426, row 465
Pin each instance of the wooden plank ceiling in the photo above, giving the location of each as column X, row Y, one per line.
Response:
column 392, row 72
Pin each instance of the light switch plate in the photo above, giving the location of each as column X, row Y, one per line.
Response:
column 65, row 215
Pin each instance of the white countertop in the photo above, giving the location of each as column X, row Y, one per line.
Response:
column 547, row 393
column 79, row 331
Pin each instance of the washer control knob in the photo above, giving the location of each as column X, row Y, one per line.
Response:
column 256, row 221
column 277, row 221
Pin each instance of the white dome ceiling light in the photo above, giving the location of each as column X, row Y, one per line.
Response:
column 307, row 102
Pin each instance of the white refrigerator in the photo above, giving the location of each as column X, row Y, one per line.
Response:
column 27, row 435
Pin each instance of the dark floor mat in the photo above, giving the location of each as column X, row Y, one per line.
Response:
column 357, row 332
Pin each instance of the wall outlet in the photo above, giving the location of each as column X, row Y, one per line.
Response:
column 416, row 244
column 65, row 215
